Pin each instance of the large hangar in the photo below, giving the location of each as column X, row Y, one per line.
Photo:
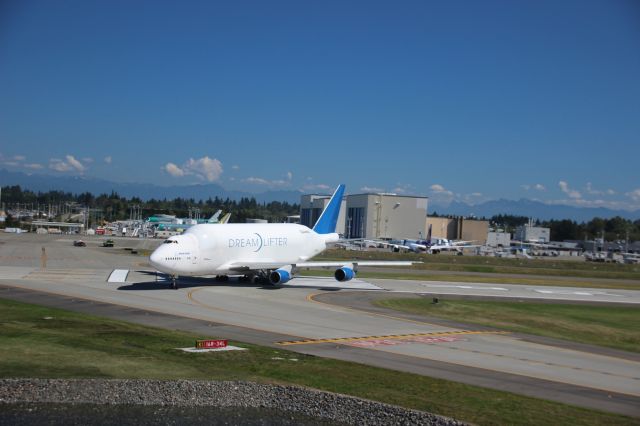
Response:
column 372, row 215
column 459, row 228
column 312, row 205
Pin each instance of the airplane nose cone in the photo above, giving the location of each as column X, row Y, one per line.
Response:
column 155, row 259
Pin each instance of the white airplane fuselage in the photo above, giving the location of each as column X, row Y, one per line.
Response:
column 216, row 249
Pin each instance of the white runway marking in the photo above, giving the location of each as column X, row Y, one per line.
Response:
column 577, row 293
column 466, row 287
column 118, row 276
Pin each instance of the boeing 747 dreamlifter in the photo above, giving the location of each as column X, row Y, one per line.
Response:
column 259, row 251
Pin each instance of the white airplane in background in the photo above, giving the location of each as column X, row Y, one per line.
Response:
column 432, row 246
column 259, row 251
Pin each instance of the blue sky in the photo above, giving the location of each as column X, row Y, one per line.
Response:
column 465, row 100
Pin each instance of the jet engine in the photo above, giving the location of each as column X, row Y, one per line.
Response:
column 279, row 276
column 344, row 274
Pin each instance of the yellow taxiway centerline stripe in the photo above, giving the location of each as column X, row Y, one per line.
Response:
column 392, row 336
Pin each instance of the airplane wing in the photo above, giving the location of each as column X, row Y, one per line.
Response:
column 355, row 263
column 388, row 244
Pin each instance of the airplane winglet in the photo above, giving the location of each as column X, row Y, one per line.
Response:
column 328, row 220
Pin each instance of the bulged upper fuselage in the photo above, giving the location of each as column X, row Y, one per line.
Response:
column 221, row 249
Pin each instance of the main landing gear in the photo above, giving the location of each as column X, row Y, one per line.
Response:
column 260, row 277
column 174, row 284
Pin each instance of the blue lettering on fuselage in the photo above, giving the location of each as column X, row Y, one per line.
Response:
column 257, row 242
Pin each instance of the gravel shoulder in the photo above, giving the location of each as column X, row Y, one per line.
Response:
column 323, row 405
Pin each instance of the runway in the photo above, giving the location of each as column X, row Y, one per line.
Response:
column 315, row 319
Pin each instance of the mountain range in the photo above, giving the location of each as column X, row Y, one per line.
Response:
column 145, row 191
column 533, row 209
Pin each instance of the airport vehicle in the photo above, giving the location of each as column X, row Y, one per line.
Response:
column 261, row 252
column 79, row 243
column 107, row 243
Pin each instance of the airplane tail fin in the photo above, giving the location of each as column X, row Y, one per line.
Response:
column 214, row 217
column 328, row 220
column 429, row 235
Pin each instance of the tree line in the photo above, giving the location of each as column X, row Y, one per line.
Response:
column 615, row 228
column 112, row 207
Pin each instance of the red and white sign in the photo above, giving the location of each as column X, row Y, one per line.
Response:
column 211, row 344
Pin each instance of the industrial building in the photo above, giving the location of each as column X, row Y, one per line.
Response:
column 312, row 205
column 532, row 233
column 498, row 238
column 371, row 215
column 458, row 228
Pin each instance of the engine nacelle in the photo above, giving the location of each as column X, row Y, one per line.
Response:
column 279, row 276
column 344, row 274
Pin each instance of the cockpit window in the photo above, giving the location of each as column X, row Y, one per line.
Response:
column 170, row 242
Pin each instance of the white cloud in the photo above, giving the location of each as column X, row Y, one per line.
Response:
column 205, row 168
column 265, row 182
column 108, row 159
column 572, row 193
column 33, row 166
column 403, row 188
column 235, row 167
column 69, row 164
column 634, row 195
column 441, row 195
column 592, row 191
column 87, row 160
column 371, row 189
column 75, row 163
column 537, row 187
column 256, row 181
column 59, row 165
column 289, row 175
column 19, row 157
column 173, row 170
column 320, row 187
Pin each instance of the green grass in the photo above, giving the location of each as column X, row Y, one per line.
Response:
column 72, row 345
column 614, row 327
column 398, row 274
column 484, row 269
column 469, row 263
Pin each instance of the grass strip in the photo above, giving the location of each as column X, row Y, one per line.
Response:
column 486, row 264
column 45, row 342
column 613, row 327
column 479, row 278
